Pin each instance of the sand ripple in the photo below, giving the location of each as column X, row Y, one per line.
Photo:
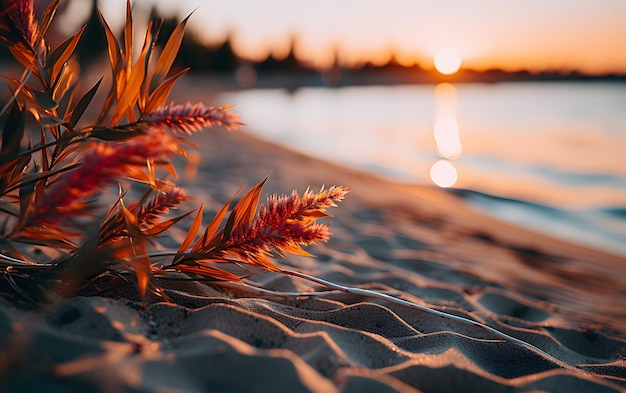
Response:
column 412, row 243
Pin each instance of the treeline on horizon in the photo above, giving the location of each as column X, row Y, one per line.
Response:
column 223, row 62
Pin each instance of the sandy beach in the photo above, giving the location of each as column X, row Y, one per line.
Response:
column 420, row 244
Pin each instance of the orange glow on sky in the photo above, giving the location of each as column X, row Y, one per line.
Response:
column 584, row 35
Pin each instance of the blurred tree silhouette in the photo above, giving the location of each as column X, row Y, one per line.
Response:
column 289, row 64
column 194, row 53
column 92, row 45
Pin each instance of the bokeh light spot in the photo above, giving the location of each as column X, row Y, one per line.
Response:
column 443, row 173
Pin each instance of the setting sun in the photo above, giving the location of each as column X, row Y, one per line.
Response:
column 447, row 62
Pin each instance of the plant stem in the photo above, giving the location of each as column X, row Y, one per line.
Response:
column 25, row 76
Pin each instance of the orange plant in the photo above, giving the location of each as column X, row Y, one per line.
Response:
column 52, row 172
column 55, row 161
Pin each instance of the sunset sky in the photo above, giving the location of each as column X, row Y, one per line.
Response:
column 583, row 35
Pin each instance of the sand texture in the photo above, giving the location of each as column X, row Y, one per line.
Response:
column 420, row 244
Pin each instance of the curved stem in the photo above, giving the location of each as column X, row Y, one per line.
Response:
column 25, row 76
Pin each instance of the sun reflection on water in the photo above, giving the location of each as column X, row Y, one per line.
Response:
column 447, row 137
column 443, row 173
column 446, row 132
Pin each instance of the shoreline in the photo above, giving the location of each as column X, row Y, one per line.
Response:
column 417, row 243
column 452, row 222
column 353, row 78
column 554, row 193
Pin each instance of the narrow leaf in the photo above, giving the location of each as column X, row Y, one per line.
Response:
column 192, row 231
column 294, row 248
column 12, row 133
column 131, row 222
column 209, row 271
column 111, row 134
column 151, row 173
column 23, row 56
column 113, row 46
column 135, row 173
column 46, row 237
column 207, row 237
column 26, row 197
column 31, row 178
column 160, row 94
column 50, row 121
column 264, row 262
column 139, row 259
column 47, row 16
column 132, row 89
column 244, row 211
column 19, row 85
column 164, row 225
column 146, row 53
column 171, row 169
column 62, row 53
column 65, row 102
column 128, row 37
column 141, row 262
column 129, row 95
column 169, row 52
column 83, row 104
column 44, row 100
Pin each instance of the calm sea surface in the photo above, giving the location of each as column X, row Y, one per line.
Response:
column 548, row 156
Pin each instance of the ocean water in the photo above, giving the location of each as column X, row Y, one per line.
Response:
column 549, row 156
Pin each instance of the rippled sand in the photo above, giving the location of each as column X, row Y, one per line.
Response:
column 419, row 244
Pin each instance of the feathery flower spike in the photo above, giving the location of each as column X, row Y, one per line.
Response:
column 19, row 15
column 188, row 118
column 105, row 163
column 283, row 225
